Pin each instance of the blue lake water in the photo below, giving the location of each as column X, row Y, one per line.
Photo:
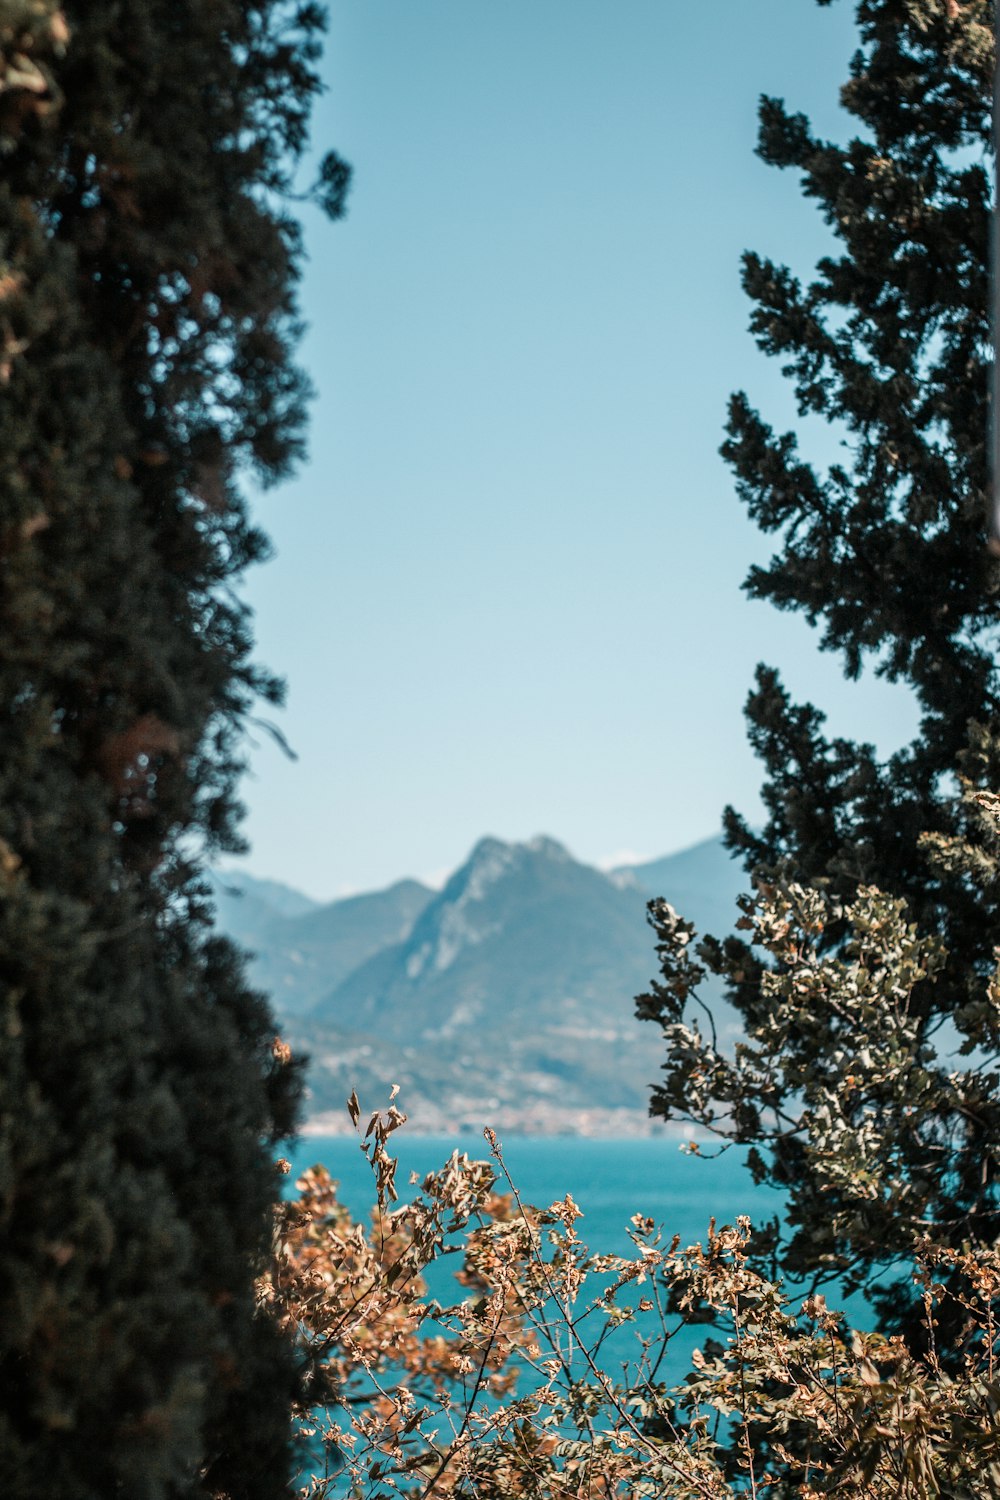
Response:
column 609, row 1179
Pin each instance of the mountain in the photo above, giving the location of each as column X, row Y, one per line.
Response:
column 510, row 998
column 702, row 883
column 297, row 958
column 246, row 906
column 271, row 893
column 507, row 997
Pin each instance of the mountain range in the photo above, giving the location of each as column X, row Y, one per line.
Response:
column 505, row 998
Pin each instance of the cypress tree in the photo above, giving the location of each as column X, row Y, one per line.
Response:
column 884, row 552
column 148, row 265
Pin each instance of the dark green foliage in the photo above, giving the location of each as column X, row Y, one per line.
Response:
column 884, row 552
column 147, row 274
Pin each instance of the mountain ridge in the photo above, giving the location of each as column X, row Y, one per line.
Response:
column 504, row 998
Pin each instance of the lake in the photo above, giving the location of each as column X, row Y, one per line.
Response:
column 609, row 1179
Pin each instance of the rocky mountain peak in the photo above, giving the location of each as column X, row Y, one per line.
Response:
column 507, row 995
column 549, row 848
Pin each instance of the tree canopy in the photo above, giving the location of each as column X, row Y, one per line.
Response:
column 148, row 266
column 883, row 551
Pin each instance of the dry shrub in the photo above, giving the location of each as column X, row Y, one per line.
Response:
column 510, row 1391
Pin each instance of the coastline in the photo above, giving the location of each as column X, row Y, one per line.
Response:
column 538, row 1120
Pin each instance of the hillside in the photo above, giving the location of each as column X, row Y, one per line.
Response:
column 297, row 958
column 506, row 997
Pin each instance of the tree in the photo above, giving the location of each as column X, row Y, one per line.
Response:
column 555, row 1374
column 884, row 551
column 148, row 265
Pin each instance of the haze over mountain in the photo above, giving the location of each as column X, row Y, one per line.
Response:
column 505, row 998
column 300, row 957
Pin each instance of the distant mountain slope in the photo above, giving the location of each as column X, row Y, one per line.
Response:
column 239, row 913
column 297, row 958
column 702, row 883
column 507, row 997
column 519, row 926
column 511, row 1000
column 281, row 899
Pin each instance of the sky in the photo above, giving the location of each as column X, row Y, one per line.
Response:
column 506, row 590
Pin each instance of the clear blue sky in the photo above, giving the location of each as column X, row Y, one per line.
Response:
column 506, row 595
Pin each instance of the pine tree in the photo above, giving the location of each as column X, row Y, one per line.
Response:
column 883, row 552
column 148, row 265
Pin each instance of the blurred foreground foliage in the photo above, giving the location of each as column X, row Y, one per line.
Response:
column 148, row 271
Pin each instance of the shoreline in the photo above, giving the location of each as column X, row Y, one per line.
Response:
column 588, row 1124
